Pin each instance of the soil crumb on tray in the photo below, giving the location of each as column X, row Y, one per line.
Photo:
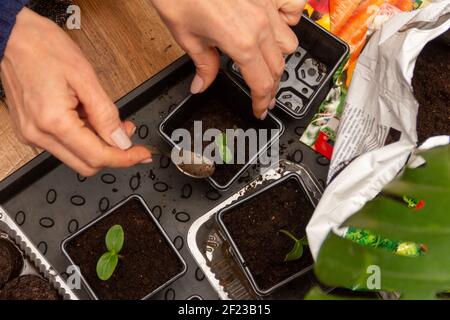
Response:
column 29, row 287
column 254, row 226
column 431, row 84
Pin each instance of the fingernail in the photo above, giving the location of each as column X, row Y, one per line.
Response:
column 264, row 115
column 120, row 138
column 147, row 161
column 197, row 84
column 272, row 104
column 133, row 131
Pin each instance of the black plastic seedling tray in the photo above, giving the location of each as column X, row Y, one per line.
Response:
column 162, row 233
column 240, row 104
column 235, row 247
column 51, row 202
column 308, row 75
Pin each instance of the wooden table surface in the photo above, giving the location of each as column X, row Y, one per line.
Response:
column 125, row 41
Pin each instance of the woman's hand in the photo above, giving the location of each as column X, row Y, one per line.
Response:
column 254, row 33
column 57, row 103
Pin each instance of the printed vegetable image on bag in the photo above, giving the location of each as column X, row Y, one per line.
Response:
column 352, row 21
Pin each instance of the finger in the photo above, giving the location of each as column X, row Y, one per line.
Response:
column 207, row 63
column 275, row 60
column 290, row 10
column 67, row 157
column 285, row 37
column 129, row 127
column 58, row 150
column 259, row 78
column 87, row 146
column 101, row 113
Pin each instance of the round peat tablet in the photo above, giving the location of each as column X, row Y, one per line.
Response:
column 11, row 261
column 29, row 287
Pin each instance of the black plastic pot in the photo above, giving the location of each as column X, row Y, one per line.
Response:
column 235, row 251
column 226, row 90
column 304, row 85
column 158, row 226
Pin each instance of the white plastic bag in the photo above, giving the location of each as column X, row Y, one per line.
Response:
column 378, row 129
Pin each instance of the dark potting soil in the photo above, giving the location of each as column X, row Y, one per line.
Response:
column 347, row 293
column 146, row 260
column 215, row 114
column 29, row 287
column 431, row 84
column 254, row 227
column 55, row 10
column 11, row 262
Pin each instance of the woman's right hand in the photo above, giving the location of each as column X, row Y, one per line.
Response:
column 254, row 33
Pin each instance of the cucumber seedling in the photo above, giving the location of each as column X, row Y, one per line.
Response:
column 297, row 250
column 224, row 151
column 107, row 263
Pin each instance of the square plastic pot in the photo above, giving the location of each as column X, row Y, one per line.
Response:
column 90, row 290
column 305, row 84
column 235, row 249
column 227, row 90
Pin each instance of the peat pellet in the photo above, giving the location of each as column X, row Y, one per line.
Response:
column 29, row 287
column 11, row 261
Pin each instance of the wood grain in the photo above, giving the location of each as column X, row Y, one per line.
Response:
column 125, row 41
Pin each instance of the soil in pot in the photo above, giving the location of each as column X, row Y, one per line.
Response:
column 431, row 84
column 254, row 227
column 11, row 262
column 146, row 261
column 29, row 287
column 216, row 114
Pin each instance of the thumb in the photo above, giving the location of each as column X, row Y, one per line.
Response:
column 100, row 111
column 207, row 62
column 290, row 10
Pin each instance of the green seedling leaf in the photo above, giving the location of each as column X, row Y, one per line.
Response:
column 224, row 151
column 106, row 265
column 297, row 250
column 420, row 266
column 114, row 239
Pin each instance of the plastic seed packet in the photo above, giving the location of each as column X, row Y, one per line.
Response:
column 377, row 135
column 352, row 21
